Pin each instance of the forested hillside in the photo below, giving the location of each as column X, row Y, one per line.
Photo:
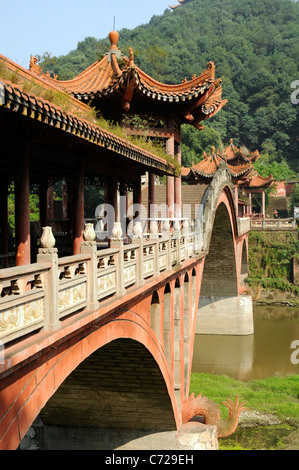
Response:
column 255, row 47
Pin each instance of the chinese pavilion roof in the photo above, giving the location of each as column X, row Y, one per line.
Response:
column 242, row 172
column 117, row 77
column 35, row 106
column 234, row 155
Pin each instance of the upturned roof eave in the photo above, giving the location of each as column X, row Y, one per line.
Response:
column 36, row 108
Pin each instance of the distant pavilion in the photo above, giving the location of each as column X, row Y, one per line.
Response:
column 240, row 165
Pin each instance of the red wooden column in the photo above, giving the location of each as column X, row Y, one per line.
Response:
column 78, row 208
column 263, row 204
column 123, row 206
column 22, row 212
column 137, row 196
column 178, row 188
column 250, row 204
column 64, row 199
column 151, row 195
column 43, row 204
column 111, row 199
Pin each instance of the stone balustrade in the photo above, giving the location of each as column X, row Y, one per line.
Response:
column 23, row 300
column 243, row 225
column 273, row 224
column 40, row 295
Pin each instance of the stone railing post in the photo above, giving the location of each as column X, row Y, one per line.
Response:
column 47, row 253
column 138, row 239
column 187, row 237
column 117, row 242
column 169, row 254
column 89, row 247
column 155, row 236
column 177, row 235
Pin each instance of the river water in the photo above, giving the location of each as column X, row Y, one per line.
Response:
column 264, row 354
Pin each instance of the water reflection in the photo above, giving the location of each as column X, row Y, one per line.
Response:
column 265, row 353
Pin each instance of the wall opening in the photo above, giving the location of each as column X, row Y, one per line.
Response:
column 155, row 315
column 167, row 323
column 244, row 263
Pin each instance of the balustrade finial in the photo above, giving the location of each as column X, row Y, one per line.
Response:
column 47, row 239
column 89, row 233
column 117, row 231
column 137, row 231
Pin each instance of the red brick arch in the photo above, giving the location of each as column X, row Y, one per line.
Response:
column 221, row 267
column 24, row 396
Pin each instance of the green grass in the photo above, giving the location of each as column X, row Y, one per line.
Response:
column 278, row 396
column 274, row 395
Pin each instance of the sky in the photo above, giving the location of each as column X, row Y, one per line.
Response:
column 33, row 27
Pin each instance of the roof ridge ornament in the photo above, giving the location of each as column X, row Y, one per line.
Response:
column 114, row 50
column 34, row 67
column 131, row 58
column 113, row 36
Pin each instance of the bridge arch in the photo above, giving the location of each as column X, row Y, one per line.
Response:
column 221, row 308
column 220, row 270
column 119, row 386
column 40, row 380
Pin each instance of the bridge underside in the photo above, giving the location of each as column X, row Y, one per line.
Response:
column 119, row 386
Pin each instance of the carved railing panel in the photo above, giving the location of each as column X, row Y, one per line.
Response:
column 130, row 264
column 22, row 301
column 162, row 255
column 106, row 273
column 148, row 259
column 72, row 284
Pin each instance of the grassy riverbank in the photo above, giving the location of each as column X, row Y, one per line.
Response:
column 273, row 402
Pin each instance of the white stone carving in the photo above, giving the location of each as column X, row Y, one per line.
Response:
column 47, row 239
column 117, row 231
column 89, row 233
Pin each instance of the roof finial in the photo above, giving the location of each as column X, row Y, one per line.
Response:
column 113, row 36
column 131, row 58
